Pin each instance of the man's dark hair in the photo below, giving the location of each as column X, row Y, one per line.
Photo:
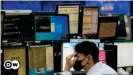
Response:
column 87, row 48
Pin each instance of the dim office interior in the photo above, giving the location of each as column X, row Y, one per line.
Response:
column 41, row 34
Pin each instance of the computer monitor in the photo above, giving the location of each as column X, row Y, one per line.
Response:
column 18, row 27
column 107, row 27
column 15, row 53
column 125, row 52
column 51, row 27
column 68, row 48
column 73, row 11
column 111, row 56
column 41, row 59
column 90, row 20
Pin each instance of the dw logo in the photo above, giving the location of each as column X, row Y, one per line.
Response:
column 11, row 64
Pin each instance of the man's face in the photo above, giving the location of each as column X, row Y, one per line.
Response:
column 80, row 56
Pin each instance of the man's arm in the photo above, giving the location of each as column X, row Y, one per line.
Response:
column 69, row 64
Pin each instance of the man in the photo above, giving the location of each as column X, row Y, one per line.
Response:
column 88, row 53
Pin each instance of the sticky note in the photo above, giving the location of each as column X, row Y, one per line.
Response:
column 102, row 55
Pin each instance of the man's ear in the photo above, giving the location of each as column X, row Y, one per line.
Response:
column 89, row 59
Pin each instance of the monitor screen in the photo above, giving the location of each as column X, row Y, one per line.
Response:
column 18, row 27
column 90, row 20
column 73, row 12
column 22, row 5
column 68, row 48
column 16, row 54
column 51, row 27
column 41, row 60
column 111, row 6
column 108, row 27
column 125, row 52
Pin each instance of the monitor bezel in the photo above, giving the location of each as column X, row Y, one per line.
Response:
column 1, row 31
column 2, row 12
column 81, row 31
column 72, row 4
column 50, row 14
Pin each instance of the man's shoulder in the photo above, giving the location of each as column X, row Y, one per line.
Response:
column 100, row 73
column 102, row 69
column 106, row 70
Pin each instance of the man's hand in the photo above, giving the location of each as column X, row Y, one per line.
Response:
column 69, row 62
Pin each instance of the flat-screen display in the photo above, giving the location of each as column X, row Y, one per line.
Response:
column 73, row 12
column 108, row 27
column 18, row 27
column 41, row 60
column 90, row 20
column 16, row 54
column 124, row 53
column 68, row 48
column 22, row 5
column 51, row 27
column 111, row 6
